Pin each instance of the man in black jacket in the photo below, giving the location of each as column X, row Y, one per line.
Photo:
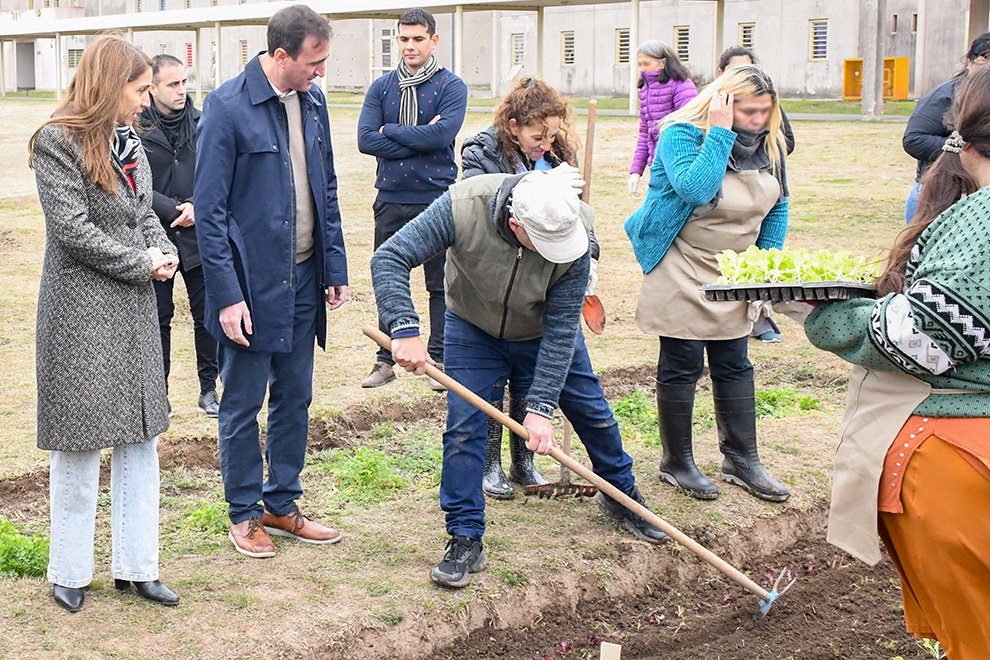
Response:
column 170, row 142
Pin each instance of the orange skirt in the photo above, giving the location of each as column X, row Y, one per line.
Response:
column 941, row 548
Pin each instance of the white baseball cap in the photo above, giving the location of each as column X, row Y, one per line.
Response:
column 549, row 210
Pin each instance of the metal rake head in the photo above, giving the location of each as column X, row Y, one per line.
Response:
column 553, row 491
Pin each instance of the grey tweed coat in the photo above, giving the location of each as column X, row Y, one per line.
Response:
column 99, row 356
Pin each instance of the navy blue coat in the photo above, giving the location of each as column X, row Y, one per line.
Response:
column 245, row 216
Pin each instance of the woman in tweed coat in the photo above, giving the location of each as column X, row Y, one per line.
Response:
column 99, row 356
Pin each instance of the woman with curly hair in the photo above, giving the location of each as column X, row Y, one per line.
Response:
column 532, row 131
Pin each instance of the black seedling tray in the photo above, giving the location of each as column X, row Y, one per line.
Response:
column 782, row 292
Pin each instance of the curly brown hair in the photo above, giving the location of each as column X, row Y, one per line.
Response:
column 529, row 102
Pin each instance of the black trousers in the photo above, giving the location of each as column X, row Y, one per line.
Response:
column 206, row 345
column 390, row 218
column 682, row 361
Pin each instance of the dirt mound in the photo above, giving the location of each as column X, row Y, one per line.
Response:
column 664, row 603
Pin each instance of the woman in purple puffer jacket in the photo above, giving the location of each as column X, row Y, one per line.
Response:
column 664, row 86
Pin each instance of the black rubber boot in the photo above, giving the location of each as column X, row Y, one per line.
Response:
column 735, row 416
column 523, row 472
column 675, row 406
column 494, row 483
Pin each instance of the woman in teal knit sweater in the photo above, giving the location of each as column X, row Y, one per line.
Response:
column 922, row 356
column 717, row 182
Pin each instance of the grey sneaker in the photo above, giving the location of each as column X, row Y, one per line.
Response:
column 380, row 375
column 209, row 403
column 464, row 556
column 436, row 385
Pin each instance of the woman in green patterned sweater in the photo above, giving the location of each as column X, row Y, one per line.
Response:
column 922, row 366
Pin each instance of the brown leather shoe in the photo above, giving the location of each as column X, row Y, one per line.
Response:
column 251, row 539
column 297, row 526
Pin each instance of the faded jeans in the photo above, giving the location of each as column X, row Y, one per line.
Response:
column 75, row 481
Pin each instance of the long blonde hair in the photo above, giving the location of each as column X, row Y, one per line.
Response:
column 92, row 102
column 744, row 82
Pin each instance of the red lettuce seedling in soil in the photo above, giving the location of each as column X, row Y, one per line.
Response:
column 564, row 647
column 593, row 639
column 658, row 619
column 729, row 598
column 767, row 579
column 809, row 569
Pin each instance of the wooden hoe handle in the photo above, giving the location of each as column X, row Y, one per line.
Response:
column 704, row 553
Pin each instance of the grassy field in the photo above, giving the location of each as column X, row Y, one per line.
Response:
column 376, row 478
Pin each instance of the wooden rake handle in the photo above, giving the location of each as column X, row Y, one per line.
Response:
column 704, row 553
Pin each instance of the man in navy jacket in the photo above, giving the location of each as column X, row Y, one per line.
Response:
column 272, row 250
column 410, row 118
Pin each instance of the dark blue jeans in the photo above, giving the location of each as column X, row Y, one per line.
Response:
column 483, row 364
column 288, row 379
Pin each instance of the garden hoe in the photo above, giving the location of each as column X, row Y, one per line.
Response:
column 767, row 598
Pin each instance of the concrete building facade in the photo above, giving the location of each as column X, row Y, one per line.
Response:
column 586, row 48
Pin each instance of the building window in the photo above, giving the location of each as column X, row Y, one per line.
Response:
column 161, row 5
column 818, row 51
column 189, row 56
column 186, row 4
column 30, row 4
column 55, row 3
column 518, row 49
column 747, row 35
column 567, row 48
column 682, row 41
column 388, row 42
column 893, row 24
column 622, row 46
column 137, row 5
column 244, row 57
column 914, row 22
column 75, row 54
column 213, row 3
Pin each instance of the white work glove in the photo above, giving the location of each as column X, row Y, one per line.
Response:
column 758, row 307
column 592, row 279
column 633, row 184
column 569, row 175
column 798, row 311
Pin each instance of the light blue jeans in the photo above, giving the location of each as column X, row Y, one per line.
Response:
column 75, row 481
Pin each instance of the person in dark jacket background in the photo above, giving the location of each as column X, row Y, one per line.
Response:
column 929, row 128
column 409, row 120
column 169, row 140
column 532, row 131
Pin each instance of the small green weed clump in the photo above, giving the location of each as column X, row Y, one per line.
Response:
column 21, row 555
column 782, row 402
column 637, row 416
column 367, row 475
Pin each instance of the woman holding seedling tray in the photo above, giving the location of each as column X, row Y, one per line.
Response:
column 717, row 182
column 917, row 415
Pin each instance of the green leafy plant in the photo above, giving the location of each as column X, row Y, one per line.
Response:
column 932, row 648
column 210, row 519
column 21, row 555
column 773, row 266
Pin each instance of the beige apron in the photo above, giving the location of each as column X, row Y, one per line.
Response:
column 877, row 406
column 671, row 303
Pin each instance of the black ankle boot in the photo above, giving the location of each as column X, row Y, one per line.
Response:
column 494, row 483
column 675, row 407
column 152, row 590
column 523, row 471
column 68, row 598
column 735, row 416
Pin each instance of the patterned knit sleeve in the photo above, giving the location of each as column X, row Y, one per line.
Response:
column 940, row 322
